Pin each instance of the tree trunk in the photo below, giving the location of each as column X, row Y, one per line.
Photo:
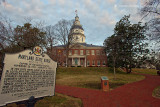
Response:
column 114, row 64
column 126, row 66
column 67, row 57
column 114, row 72
column 67, row 54
column 130, row 68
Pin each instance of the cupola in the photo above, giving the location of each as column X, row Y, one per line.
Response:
column 77, row 32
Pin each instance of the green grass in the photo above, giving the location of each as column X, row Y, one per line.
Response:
column 49, row 101
column 59, row 100
column 91, row 77
column 145, row 71
column 156, row 92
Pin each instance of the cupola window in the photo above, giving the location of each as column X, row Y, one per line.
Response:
column 76, row 37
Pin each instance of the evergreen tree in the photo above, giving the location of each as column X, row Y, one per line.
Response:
column 128, row 43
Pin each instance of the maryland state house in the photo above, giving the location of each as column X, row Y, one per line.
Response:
column 79, row 53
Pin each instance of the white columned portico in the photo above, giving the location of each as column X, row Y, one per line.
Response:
column 72, row 62
column 79, row 63
column 66, row 62
column 85, row 62
column 76, row 60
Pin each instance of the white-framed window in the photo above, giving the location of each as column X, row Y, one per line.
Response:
column 81, row 52
column 97, row 52
column 93, row 52
column 103, row 52
column 87, row 52
column 70, row 52
column 93, row 63
column 54, row 52
column 76, row 52
column 88, row 63
column 98, row 62
column 64, row 52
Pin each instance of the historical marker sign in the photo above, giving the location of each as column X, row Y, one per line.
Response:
column 25, row 74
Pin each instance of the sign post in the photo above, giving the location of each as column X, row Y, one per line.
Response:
column 25, row 74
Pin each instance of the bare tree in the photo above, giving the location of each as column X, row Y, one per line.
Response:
column 150, row 8
column 27, row 19
column 51, row 38
column 6, row 35
column 62, row 29
column 2, row 1
column 151, row 12
column 6, row 32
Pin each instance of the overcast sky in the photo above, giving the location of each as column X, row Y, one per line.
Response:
column 98, row 17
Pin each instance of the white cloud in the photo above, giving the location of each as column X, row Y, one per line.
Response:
column 107, row 19
column 98, row 17
column 91, row 6
column 129, row 2
column 110, row 1
column 52, row 2
column 62, row 2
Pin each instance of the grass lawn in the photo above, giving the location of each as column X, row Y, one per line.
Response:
column 145, row 71
column 59, row 100
column 91, row 77
column 156, row 92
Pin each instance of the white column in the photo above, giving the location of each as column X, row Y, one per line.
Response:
column 79, row 62
column 72, row 62
column 66, row 62
column 85, row 62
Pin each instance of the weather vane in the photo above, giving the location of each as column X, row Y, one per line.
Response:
column 76, row 12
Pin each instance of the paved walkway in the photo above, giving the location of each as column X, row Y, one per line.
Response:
column 137, row 94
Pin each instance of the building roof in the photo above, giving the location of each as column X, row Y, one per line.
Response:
column 89, row 45
column 77, row 27
column 83, row 44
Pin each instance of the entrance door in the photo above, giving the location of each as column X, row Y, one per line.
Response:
column 82, row 62
column 76, row 61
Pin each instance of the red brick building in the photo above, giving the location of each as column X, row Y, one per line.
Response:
column 81, row 53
